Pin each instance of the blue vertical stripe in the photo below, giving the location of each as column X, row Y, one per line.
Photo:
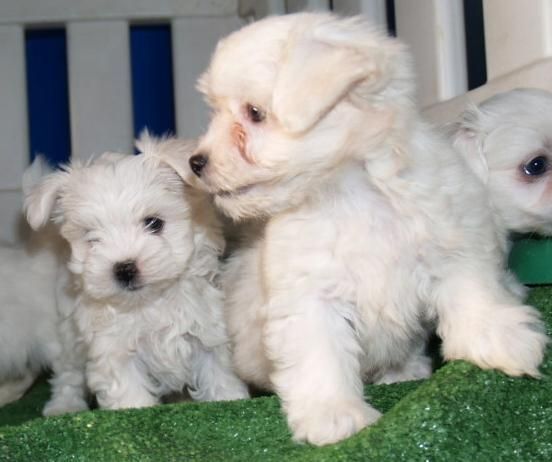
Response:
column 152, row 78
column 48, row 94
column 475, row 43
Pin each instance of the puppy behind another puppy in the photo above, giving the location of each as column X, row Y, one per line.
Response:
column 144, row 259
column 507, row 141
column 374, row 226
column 33, row 302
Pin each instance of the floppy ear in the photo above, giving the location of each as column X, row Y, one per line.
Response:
column 322, row 66
column 173, row 152
column 35, row 172
column 467, row 137
column 41, row 200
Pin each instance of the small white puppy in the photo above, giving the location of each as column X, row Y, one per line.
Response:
column 31, row 294
column 507, row 141
column 374, row 228
column 144, row 259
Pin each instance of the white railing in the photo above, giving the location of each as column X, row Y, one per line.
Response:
column 98, row 55
column 518, row 38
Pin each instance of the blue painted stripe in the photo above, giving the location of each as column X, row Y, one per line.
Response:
column 152, row 78
column 48, row 94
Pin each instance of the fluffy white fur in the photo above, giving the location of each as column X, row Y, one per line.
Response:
column 374, row 225
column 32, row 304
column 157, row 328
column 507, row 141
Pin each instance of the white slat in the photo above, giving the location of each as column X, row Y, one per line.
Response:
column 307, row 5
column 373, row 9
column 12, row 224
column 434, row 30
column 194, row 40
column 47, row 11
column 13, row 107
column 516, row 33
column 535, row 75
column 14, row 153
column 99, row 87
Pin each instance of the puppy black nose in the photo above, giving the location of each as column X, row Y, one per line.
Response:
column 198, row 162
column 126, row 274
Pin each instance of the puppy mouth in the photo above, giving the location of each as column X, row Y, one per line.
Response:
column 130, row 286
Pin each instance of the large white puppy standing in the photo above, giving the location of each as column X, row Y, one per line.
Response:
column 144, row 257
column 374, row 225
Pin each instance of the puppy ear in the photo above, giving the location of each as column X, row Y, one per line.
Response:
column 467, row 137
column 176, row 154
column 41, row 199
column 322, row 65
column 34, row 173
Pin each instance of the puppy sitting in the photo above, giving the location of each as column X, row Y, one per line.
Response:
column 374, row 226
column 144, row 257
column 506, row 141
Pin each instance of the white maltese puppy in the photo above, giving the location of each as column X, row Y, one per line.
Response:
column 30, row 285
column 144, row 259
column 507, row 142
column 374, row 228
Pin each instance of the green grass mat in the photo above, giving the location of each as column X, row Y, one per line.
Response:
column 460, row 413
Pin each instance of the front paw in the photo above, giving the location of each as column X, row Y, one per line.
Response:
column 128, row 401
column 513, row 342
column 64, row 404
column 328, row 422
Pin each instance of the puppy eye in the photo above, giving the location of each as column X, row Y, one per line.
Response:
column 255, row 114
column 536, row 166
column 154, row 225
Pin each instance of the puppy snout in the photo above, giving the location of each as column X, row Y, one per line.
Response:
column 198, row 163
column 126, row 274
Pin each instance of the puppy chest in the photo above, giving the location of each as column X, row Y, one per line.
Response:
column 360, row 257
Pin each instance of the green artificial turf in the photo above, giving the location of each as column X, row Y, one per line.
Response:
column 460, row 413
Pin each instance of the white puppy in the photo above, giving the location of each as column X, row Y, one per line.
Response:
column 31, row 297
column 144, row 259
column 507, row 141
column 374, row 224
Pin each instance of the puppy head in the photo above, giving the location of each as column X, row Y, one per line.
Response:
column 128, row 220
column 293, row 98
column 507, row 141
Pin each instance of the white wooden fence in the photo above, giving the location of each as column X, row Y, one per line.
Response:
column 518, row 38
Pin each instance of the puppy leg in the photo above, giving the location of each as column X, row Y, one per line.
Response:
column 119, row 382
column 68, row 390
column 315, row 357
column 245, row 319
column 248, row 351
column 68, row 381
column 482, row 322
column 13, row 389
column 213, row 378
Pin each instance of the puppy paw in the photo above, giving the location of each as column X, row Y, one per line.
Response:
column 329, row 422
column 64, row 405
column 513, row 342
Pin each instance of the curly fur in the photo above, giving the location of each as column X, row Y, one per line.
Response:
column 374, row 229
column 134, row 344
